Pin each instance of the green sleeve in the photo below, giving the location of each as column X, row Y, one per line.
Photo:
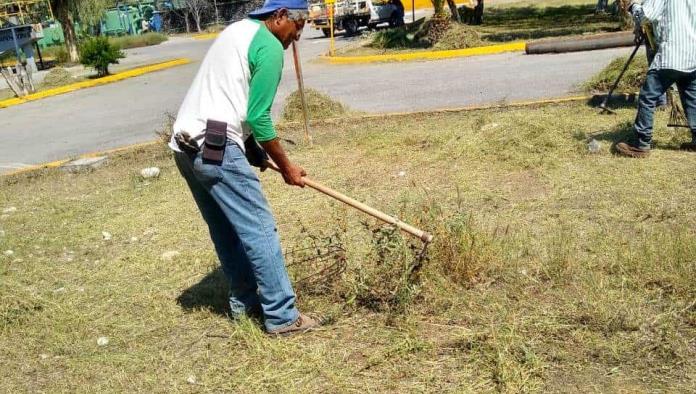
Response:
column 266, row 67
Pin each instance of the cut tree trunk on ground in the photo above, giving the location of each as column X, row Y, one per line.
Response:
column 599, row 41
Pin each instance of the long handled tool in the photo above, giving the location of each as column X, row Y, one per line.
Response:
column 300, row 87
column 424, row 236
column 604, row 106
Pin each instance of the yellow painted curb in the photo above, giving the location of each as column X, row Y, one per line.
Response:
column 205, row 36
column 94, row 82
column 427, row 55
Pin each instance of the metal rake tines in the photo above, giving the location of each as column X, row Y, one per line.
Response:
column 677, row 117
column 316, row 267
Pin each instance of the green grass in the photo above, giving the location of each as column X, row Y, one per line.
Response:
column 512, row 22
column 143, row 40
column 552, row 270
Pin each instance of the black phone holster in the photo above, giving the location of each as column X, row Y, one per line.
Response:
column 215, row 141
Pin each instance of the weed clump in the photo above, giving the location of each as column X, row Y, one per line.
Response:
column 319, row 106
column 631, row 81
column 388, row 279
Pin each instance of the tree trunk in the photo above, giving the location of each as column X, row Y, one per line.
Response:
column 602, row 6
column 186, row 20
column 197, row 18
column 453, row 10
column 478, row 13
column 64, row 16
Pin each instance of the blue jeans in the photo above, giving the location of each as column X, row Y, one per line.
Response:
column 656, row 84
column 244, row 233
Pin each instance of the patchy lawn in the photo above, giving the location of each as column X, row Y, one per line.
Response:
column 506, row 22
column 552, row 269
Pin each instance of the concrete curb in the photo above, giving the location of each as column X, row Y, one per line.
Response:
column 319, row 122
column 94, row 82
column 427, row 55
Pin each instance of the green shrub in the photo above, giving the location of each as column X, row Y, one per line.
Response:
column 99, row 53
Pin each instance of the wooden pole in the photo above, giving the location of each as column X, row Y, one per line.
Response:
column 300, row 87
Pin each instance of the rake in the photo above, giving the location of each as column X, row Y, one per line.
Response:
column 677, row 117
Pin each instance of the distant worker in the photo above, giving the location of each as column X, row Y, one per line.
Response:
column 399, row 13
column 145, row 26
column 675, row 62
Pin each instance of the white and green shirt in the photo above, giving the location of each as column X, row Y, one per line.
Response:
column 236, row 84
column 675, row 32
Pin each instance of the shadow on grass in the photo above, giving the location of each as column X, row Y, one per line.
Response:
column 618, row 101
column 209, row 294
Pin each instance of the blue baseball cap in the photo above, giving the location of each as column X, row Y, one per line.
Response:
column 273, row 5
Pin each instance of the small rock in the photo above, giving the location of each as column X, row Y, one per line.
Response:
column 81, row 289
column 191, row 379
column 59, row 290
column 43, row 356
column 150, row 172
column 9, row 210
column 2, row 233
column 8, row 253
column 169, row 256
column 594, row 146
column 134, row 239
column 401, row 173
column 102, row 341
column 106, row 235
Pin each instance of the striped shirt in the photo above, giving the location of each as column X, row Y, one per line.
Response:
column 674, row 24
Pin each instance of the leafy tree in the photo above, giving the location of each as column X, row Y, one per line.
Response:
column 88, row 12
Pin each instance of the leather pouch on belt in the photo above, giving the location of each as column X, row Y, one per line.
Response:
column 215, row 141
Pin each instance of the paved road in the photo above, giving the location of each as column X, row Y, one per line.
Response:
column 128, row 112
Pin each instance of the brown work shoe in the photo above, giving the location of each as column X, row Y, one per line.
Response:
column 624, row 149
column 688, row 146
column 303, row 323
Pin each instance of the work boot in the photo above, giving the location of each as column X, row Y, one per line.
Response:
column 303, row 323
column 626, row 150
column 688, row 146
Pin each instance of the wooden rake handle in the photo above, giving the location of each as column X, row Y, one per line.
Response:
column 422, row 235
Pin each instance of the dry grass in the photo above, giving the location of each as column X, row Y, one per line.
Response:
column 553, row 270
column 631, row 82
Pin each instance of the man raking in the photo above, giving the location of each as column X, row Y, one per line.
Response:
column 227, row 107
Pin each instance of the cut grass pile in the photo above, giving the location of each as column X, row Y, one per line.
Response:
column 631, row 82
column 459, row 36
column 58, row 76
column 319, row 106
column 552, row 270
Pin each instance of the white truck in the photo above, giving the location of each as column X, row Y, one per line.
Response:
column 350, row 15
